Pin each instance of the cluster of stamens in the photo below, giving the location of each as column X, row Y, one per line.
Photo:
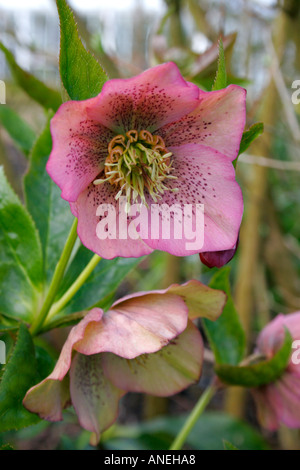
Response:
column 138, row 161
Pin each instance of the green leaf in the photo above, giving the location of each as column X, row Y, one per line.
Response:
column 50, row 212
column 8, row 324
column 20, row 257
column 19, row 375
column 6, row 328
column 35, row 431
column 259, row 374
column 103, row 281
column 221, row 76
column 204, row 64
column 228, row 445
column 37, row 90
column 62, row 322
column 6, row 447
column 226, row 335
column 208, row 434
column 250, row 135
column 45, row 363
column 81, row 74
column 17, row 128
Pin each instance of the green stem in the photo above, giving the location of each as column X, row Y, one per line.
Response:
column 164, row 19
column 57, row 277
column 69, row 294
column 193, row 417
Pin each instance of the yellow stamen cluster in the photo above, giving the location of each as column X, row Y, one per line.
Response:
column 138, row 161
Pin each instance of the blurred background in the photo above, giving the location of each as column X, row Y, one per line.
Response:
column 262, row 47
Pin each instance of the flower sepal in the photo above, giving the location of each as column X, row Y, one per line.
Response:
column 260, row 373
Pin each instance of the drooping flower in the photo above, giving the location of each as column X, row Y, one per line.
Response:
column 279, row 402
column 146, row 342
column 217, row 259
column 153, row 139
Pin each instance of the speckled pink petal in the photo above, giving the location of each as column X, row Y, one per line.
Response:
column 217, row 122
column 204, row 177
column 150, row 100
column 164, row 373
column 80, row 147
column 94, row 397
column 136, row 326
column 88, row 221
column 49, row 397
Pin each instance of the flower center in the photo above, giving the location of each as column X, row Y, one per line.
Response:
column 137, row 162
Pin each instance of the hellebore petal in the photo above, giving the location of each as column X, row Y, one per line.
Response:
column 137, row 325
column 79, row 148
column 88, row 220
column 94, row 397
column 265, row 412
column 218, row 259
column 204, row 177
column 201, row 300
column 150, row 100
column 217, row 122
column 164, row 373
column 285, row 396
column 271, row 337
column 49, row 397
column 279, row 402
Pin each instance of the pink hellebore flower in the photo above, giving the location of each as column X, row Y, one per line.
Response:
column 279, row 402
column 152, row 139
column 146, row 342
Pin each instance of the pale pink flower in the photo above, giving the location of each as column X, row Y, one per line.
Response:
column 146, row 342
column 279, row 402
column 154, row 139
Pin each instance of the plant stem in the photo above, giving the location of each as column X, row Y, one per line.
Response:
column 57, row 277
column 69, row 294
column 193, row 417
